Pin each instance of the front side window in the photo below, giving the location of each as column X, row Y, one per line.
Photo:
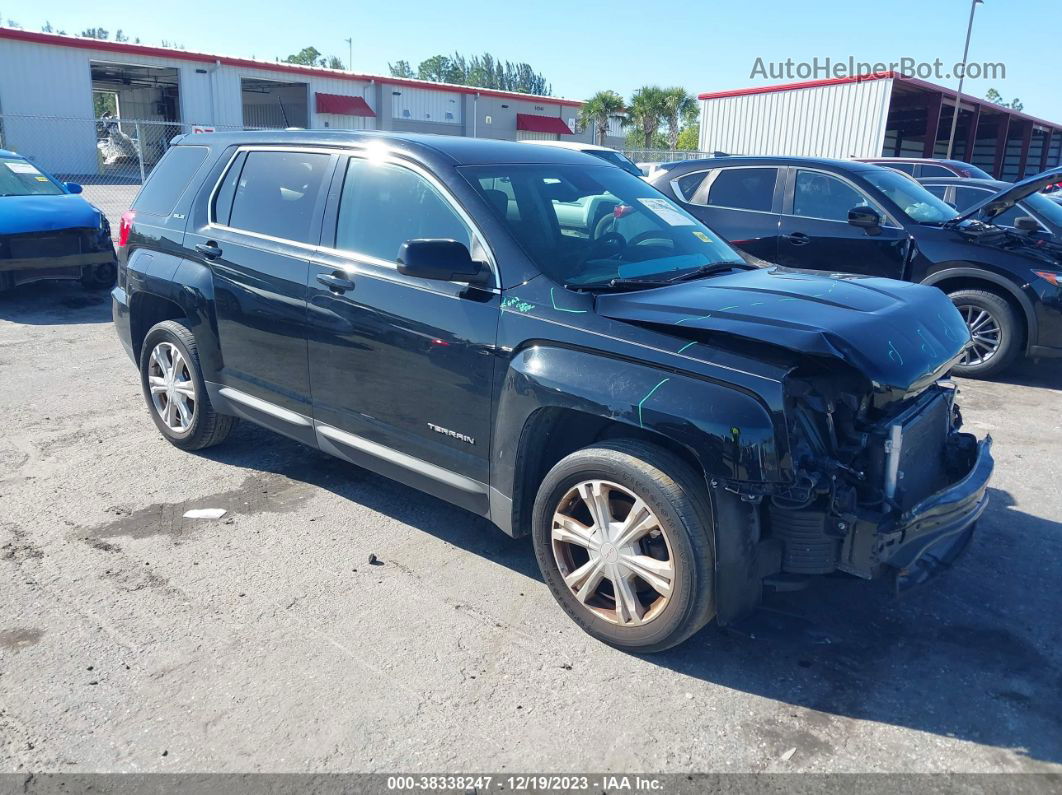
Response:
column 818, row 195
column 914, row 201
column 906, row 168
column 968, row 197
column 940, row 191
column 384, row 205
column 277, row 192
column 738, row 188
column 587, row 225
column 20, row 177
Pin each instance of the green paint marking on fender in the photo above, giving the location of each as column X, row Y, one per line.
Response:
column 692, row 317
column 642, row 401
column 517, row 303
column 687, row 345
column 735, row 306
column 553, row 298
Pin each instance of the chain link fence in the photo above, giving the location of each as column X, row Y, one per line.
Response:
column 666, row 155
column 109, row 157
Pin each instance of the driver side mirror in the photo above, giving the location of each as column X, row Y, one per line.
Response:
column 441, row 260
column 72, row 187
column 1026, row 223
column 865, row 218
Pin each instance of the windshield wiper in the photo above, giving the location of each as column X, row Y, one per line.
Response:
column 705, row 270
column 620, row 284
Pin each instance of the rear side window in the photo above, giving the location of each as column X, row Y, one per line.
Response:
column 929, row 170
column 169, row 179
column 686, row 185
column 383, row 206
column 739, row 188
column 937, row 190
column 276, row 194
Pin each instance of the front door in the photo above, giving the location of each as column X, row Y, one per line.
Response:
column 739, row 203
column 264, row 218
column 401, row 368
column 815, row 233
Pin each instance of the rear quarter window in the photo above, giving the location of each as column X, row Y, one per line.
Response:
column 169, row 179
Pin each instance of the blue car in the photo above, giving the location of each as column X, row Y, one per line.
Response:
column 47, row 231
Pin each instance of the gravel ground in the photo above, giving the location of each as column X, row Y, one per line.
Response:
column 132, row 639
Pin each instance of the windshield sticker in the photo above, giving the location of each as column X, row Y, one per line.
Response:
column 41, row 179
column 697, row 233
column 22, row 168
column 667, row 213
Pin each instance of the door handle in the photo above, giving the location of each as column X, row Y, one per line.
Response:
column 336, row 282
column 210, row 249
column 798, row 238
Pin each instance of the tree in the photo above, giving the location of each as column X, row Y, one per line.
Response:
column 599, row 110
column 119, row 36
column 401, row 69
column 679, row 108
column 307, row 56
column 994, row 96
column 334, row 63
column 438, row 69
column 690, row 137
column 648, row 107
column 635, row 139
column 96, row 33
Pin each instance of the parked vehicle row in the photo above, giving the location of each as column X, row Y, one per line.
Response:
column 550, row 342
column 849, row 216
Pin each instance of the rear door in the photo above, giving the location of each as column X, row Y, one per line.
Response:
column 815, row 232
column 401, row 368
column 264, row 221
column 740, row 203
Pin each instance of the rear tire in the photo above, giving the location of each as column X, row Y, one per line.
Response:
column 175, row 391
column 667, row 592
column 996, row 329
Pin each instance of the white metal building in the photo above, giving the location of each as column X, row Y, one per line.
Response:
column 48, row 83
column 875, row 115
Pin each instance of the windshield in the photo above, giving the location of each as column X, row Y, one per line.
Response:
column 915, row 201
column 1046, row 207
column 20, row 177
column 587, row 226
column 616, row 159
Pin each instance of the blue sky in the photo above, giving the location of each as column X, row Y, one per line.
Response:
column 585, row 45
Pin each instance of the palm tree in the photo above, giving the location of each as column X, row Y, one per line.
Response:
column 680, row 107
column 599, row 110
column 647, row 109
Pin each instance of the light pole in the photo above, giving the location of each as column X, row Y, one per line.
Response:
column 962, row 76
column 350, row 52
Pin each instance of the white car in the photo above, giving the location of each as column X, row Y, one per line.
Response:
column 601, row 152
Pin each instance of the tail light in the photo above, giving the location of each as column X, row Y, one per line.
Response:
column 125, row 226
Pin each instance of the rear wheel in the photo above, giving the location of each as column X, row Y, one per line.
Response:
column 175, row 391
column 995, row 330
column 622, row 534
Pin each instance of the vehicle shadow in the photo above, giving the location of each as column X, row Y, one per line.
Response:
column 975, row 655
column 54, row 302
column 1045, row 374
column 257, row 448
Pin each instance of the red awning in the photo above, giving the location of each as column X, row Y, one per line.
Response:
column 342, row 105
column 544, row 124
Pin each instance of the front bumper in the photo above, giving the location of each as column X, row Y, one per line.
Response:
column 120, row 314
column 928, row 537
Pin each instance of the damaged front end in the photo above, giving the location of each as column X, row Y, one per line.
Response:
column 884, row 482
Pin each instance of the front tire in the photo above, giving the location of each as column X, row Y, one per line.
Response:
column 623, row 536
column 99, row 277
column 995, row 329
column 175, row 391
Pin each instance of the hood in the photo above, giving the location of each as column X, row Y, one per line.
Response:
column 899, row 335
column 1012, row 194
column 21, row 214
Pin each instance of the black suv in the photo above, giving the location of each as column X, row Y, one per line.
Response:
column 842, row 215
column 547, row 341
column 920, row 167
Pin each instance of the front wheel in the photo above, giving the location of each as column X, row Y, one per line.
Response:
column 995, row 331
column 622, row 534
column 99, row 277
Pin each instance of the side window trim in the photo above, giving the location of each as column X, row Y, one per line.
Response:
column 331, row 213
column 315, row 230
column 790, row 198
